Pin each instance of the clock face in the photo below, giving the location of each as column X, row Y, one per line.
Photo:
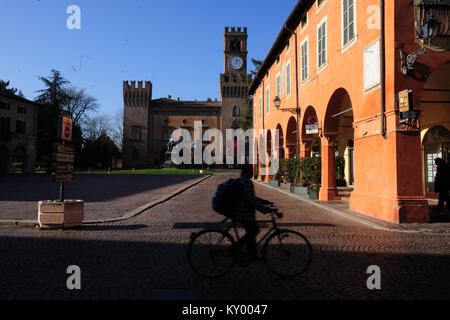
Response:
column 236, row 63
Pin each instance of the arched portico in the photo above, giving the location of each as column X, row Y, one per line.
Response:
column 336, row 137
column 435, row 124
column 291, row 138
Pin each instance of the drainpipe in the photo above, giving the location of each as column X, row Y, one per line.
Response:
column 297, row 151
column 383, row 68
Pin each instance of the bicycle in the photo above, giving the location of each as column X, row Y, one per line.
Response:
column 285, row 252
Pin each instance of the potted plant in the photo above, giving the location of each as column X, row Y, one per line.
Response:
column 301, row 185
column 57, row 214
column 315, row 177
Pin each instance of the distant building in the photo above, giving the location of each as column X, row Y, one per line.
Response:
column 18, row 128
column 148, row 124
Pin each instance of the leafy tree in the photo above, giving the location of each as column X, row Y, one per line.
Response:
column 58, row 98
column 256, row 64
column 4, row 87
column 99, row 153
column 245, row 122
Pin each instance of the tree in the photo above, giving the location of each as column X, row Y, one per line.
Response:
column 78, row 104
column 99, row 153
column 256, row 64
column 4, row 87
column 117, row 128
column 54, row 93
column 245, row 122
column 96, row 125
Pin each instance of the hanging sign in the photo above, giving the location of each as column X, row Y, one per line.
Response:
column 66, row 124
column 312, row 126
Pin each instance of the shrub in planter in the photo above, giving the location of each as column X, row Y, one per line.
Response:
column 340, row 172
column 311, row 169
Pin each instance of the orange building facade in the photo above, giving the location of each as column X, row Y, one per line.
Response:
column 337, row 68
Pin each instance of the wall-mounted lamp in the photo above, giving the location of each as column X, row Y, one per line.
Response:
column 277, row 104
column 430, row 29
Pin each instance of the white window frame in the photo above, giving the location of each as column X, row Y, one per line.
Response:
column 320, row 67
column 307, row 59
column 268, row 99
column 260, row 107
column 278, row 85
column 321, row 5
column 307, row 22
column 345, row 46
column 288, row 77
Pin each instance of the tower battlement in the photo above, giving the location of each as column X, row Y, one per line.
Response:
column 235, row 30
column 132, row 85
column 139, row 95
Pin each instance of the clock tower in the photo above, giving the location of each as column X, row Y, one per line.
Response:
column 233, row 82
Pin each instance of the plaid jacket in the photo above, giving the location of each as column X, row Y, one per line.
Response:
column 248, row 202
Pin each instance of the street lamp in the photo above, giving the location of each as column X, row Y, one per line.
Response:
column 430, row 29
column 277, row 102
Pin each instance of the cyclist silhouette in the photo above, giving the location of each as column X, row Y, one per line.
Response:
column 245, row 212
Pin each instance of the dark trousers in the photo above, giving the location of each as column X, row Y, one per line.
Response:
column 252, row 230
column 443, row 197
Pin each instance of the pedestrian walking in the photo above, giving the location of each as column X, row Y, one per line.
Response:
column 442, row 183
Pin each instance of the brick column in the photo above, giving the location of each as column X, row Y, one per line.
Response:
column 328, row 190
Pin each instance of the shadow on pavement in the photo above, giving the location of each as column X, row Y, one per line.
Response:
column 90, row 188
column 36, row 268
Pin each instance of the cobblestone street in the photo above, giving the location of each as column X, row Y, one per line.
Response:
column 145, row 257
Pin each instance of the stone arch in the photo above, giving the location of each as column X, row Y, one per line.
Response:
column 309, row 141
column 291, row 137
column 435, row 123
column 280, row 141
column 4, row 160
column 337, row 136
column 18, row 159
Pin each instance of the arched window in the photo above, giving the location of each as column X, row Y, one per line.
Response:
column 236, row 112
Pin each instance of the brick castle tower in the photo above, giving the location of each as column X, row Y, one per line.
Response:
column 233, row 82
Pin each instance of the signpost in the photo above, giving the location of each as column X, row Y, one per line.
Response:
column 63, row 155
column 405, row 100
column 312, row 126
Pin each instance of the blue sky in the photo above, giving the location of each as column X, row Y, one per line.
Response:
column 176, row 44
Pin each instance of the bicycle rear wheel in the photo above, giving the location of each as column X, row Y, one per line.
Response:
column 209, row 253
column 287, row 253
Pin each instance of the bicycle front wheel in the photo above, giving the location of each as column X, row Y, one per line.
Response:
column 210, row 253
column 287, row 253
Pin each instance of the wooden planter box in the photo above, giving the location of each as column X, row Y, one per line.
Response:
column 69, row 213
column 301, row 190
column 274, row 183
column 285, row 186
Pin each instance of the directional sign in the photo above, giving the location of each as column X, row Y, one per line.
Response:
column 312, row 129
column 60, row 167
column 66, row 177
column 63, row 148
column 64, row 157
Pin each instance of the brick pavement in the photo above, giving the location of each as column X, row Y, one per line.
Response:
column 106, row 196
column 145, row 257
